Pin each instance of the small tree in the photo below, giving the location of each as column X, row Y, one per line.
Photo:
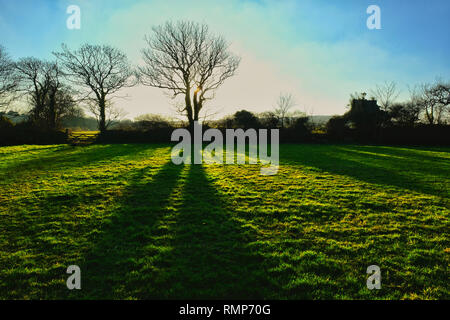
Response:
column 433, row 100
column 185, row 59
column 285, row 103
column 34, row 83
column 365, row 117
column 101, row 71
column 245, row 119
column 42, row 82
column 59, row 102
column 386, row 94
column 438, row 95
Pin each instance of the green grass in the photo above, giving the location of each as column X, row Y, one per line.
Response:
column 82, row 137
column 140, row 227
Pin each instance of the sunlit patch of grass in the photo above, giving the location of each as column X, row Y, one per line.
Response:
column 142, row 227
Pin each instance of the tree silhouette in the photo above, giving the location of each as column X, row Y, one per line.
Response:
column 185, row 59
column 8, row 81
column 386, row 94
column 102, row 70
column 285, row 103
column 50, row 97
column 434, row 101
column 245, row 119
column 405, row 114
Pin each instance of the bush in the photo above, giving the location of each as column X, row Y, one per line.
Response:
column 298, row 131
column 268, row 120
column 404, row 114
column 337, row 128
column 245, row 120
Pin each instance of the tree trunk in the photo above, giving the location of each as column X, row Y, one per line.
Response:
column 196, row 106
column 102, row 123
column 189, row 114
column 52, row 111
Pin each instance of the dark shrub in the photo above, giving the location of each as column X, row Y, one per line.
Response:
column 366, row 118
column 298, row 131
column 26, row 133
column 404, row 114
column 268, row 120
column 337, row 128
column 158, row 135
column 245, row 120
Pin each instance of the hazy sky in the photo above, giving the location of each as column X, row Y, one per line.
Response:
column 320, row 51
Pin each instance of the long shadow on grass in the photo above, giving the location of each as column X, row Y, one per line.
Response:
column 211, row 257
column 114, row 262
column 411, row 174
column 418, row 153
column 69, row 157
column 49, row 229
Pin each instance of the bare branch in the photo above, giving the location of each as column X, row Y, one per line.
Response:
column 186, row 60
column 285, row 102
column 8, row 79
column 42, row 82
column 100, row 70
column 386, row 94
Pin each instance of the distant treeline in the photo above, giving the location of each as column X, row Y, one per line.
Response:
column 424, row 120
column 363, row 123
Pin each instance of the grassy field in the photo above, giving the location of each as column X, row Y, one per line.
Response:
column 140, row 227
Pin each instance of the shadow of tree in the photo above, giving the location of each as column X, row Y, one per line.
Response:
column 112, row 264
column 420, row 153
column 211, row 256
column 379, row 166
column 52, row 226
column 194, row 251
column 68, row 157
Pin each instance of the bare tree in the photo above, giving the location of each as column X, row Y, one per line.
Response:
column 101, row 70
column 59, row 101
column 433, row 100
column 386, row 94
column 62, row 105
column 284, row 103
column 34, row 75
column 185, row 59
column 8, row 81
column 42, row 82
column 439, row 95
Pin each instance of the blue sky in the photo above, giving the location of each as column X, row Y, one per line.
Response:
column 319, row 50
